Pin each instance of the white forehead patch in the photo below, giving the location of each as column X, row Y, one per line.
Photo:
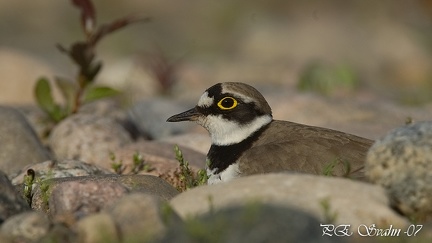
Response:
column 205, row 100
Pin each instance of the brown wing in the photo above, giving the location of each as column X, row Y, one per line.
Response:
column 287, row 146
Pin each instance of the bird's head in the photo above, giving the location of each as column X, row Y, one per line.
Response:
column 230, row 112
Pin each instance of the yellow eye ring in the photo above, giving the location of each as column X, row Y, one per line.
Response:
column 227, row 103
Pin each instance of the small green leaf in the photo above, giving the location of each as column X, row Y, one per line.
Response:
column 45, row 100
column 99, row 92
column 43, row 95
column 68, row 90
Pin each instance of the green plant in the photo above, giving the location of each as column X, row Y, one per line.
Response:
column 117, row 166
column 139, row 164
column 44, row 186
column 329, row 216
column 188, row 179
column 167, row 213
column 409, row 120
column 83, row 54
column 29, row 180
column 330, row 167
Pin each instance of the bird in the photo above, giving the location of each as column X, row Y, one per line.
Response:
column 246, row 140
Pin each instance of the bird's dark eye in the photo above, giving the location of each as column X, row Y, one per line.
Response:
column 227, row 103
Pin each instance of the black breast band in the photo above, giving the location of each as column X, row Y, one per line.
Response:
column 223, row 156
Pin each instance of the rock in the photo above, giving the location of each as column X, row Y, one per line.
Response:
column 401, row 162
column 148, row 184
column 58, row 169
column 141, row 217
column 39, row 120
column 19, row 144
column 339, row 200
column 10, row 202
column 251, row 223
column 99, row 227
column 366, row 117
column 60, row 233
column 5, row 239
column 28, row 226
column 159, row 156
column 150, row 117
column 107, row 107
column 89, row 138
column 79, row 196
column 196, row 141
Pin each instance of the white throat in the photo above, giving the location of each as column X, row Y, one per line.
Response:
column 226, row 132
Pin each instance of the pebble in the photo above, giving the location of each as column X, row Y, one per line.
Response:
column 20, row 145
column 79, row 196
column 58, row 169
column 401, row 162
column 253, row 223
column 98, row 227
column 89, row 138
column 141, row 217
column 11, row 202
column 28, row 226
column 339, row 200
column 150, row 117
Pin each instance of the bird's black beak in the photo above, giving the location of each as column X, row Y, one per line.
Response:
column 189, row 115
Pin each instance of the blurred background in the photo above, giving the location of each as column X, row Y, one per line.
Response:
column 362, row 49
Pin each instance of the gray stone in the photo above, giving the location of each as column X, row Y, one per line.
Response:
column 141, row 217
column 28, row 226
column 97, row 228
column 341, row 201
column 19, row 144
column 89, row 138
column 60, row 232
column 58, row 169
column 39, row 120
column 160, row 158
column 80, row 198
column 10, row 202
column 150, row 117
column 254, row 223
column 107, row 107
column 5, row 239
column 148, row 184
column 401, row 162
